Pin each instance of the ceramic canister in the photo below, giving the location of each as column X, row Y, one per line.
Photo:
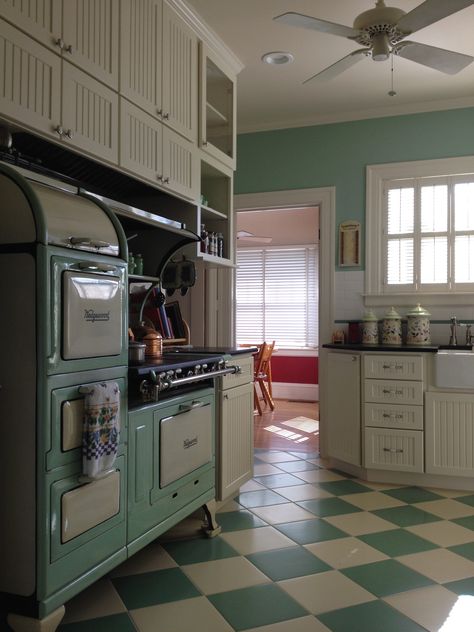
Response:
column 392, row 328
column 418, row 327
column 370, row 329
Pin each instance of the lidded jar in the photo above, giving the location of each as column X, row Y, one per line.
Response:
column 418, row 326
column 370, row 329
column 392, row 328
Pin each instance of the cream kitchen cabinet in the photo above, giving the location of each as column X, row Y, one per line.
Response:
column 218, row 108
column 343, row 405
column 235, row 428
column 152, row 151
column 393, row 411
column 158, row 64
column 86, row 31
column 449, row 433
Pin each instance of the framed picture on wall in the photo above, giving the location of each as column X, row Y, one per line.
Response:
column 349, row 243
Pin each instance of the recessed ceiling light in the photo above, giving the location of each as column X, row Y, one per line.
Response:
column 277, row 58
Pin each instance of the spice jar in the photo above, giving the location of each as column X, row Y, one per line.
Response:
column 392, row 328
column 370, row 329
column 418, row 327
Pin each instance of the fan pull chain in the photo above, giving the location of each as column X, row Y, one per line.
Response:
column 391, row 92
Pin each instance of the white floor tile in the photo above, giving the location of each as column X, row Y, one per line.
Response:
column 448, row 508
column 223, row 575
column 99, row 600
column 262, row 469
column 443, row 533
column 360, row 523
column 251, row 486
column 231, row 505
column 196, row 614
column 325, row 591
column 302, row 492
column 429, row 607
column 254, row 540
column 152, row 558
column 276, row 457
column 303, row 624
column 440, row 565
column 369, row 501
column 287, row 512
column 345, row 552
column 318, row 476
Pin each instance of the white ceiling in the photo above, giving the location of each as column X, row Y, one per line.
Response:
column 271, row 97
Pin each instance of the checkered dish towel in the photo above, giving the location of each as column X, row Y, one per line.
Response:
column 101, row 428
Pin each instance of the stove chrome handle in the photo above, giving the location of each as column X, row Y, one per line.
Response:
column 186, row 408
column 168, row 383
column 96, row 267
column 89, row 241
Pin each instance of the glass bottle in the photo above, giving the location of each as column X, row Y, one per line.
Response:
column 131, row 263
column 220, row 245
column 139, row 264
column 204, row 239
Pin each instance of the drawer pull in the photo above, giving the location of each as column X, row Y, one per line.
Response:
column 392, row 366
column 388, row 391
column 392, row 416
column 393, row 450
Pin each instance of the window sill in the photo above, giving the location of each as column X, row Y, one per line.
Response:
column 296, row 353
column 427, row 299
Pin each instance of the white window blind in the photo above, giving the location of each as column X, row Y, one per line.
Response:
column 429, row 234
column 277, row 296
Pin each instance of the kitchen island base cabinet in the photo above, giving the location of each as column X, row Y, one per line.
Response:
column 19, row 623
column 343, row 404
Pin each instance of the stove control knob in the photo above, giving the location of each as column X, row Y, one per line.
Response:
column 190, row 373
column 178, row 372
column 204, row 368
column 221, row 364
column 197, row 369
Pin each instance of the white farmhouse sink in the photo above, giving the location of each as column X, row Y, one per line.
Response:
column 454, row 368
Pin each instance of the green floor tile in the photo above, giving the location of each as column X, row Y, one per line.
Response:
column 309, row 531
column 259, row 605
column 466, row 550
column 237, row 520
column 112, row 623
column 461, row 586
column 260, row 498
column 397, row 542
column 374, row 616
column 297, row 466
column 328, row 506
column 341, row 488
column 412, row 494
column 199, row 550
column 149, row 589
column 467, row 522
column 279, row 480
column 341, row 473
column 467, row 500
column 288, row 563
column 386, row 578
column 406, row 516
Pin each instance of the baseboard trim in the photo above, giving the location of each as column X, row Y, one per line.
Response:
column 300, row 392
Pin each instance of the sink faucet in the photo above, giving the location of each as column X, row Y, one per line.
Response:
column 453, row 340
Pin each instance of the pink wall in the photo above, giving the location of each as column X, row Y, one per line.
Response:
column 295, row 370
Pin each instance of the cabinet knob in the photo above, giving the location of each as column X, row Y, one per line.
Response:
column 59, row 130
column 68, row 133
column 204, row 143
column 166, row 116
column 166, row 180
column 68, row 48
column 160, row 112
column 159, row 177
column 60, row 43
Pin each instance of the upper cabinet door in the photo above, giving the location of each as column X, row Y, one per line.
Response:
column 30, row 88
column 90, row 34
column 180, row 70
column 140, row 53
column 90, row 114
column 40, row 19
column 180, row 164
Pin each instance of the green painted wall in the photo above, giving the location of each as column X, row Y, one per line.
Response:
column 337, row 154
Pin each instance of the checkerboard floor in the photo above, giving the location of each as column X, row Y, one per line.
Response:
column 303, row 548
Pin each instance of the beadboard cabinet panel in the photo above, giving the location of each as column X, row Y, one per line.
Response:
column 90, row 114
column 91, row 37
column 141, row 53
column 30, row 81
column 180, row 164
column 40, row 19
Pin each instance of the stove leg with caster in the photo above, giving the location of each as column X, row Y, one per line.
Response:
column 210, row 527
column 19, row 623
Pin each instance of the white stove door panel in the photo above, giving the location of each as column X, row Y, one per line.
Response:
column 185, row 443
column 92, row 315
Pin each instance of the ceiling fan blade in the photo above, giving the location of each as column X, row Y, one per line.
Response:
column 440, row 59
column 307, row 22
column 340, row 66
column 429, row 12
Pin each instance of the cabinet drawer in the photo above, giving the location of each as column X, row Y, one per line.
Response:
column 394, row 416
column 394, row 391
column 400, row 450
column 237, row 379
column 401, row 367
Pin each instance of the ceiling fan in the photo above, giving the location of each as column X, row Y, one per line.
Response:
column 244, row 235
column 382, row 32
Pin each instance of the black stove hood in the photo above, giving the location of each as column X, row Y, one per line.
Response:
column 144, row 211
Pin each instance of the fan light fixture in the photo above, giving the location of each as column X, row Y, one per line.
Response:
column 277, row 58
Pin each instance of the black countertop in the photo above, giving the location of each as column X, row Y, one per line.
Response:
column 391, row 348
column 190, row 349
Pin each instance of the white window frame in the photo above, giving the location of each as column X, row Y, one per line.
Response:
column 376, row 177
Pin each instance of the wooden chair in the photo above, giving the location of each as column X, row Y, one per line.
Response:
column 263, row 377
